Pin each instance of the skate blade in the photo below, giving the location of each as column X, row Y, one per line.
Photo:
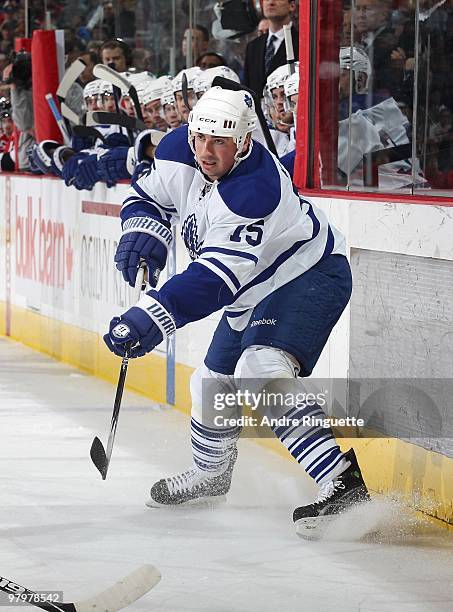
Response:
column 313, row 528
column 202, row 502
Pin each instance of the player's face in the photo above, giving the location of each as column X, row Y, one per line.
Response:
column 215, row 155
column 108, row 103
column 92, row 103
column 293, row 100
column 278, row 98
column 171, row 116
column 180, row 105
column 283, row 118
column 129, row 106
column 152, row 117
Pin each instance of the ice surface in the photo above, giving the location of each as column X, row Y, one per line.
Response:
column 62, row 527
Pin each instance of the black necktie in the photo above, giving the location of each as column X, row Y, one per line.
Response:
column 270, row 51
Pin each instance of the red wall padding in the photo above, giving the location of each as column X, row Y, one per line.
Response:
column 45, row 80
column 22, row 44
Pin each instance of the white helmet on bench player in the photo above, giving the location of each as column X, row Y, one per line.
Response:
column 225, row 113
column 203, row 81
column 360, row 64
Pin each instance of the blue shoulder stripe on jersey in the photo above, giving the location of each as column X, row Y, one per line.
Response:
column 128, row 201
column 287, row 161
column 225, row 269
column 131, row 210
column 253, row 189
column 175, row 147
column 283, row 257
column 330, row 243
column 230, row 252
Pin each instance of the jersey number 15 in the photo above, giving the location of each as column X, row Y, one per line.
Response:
column 252, row 233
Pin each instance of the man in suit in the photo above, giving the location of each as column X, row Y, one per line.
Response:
column 267, row 52
column 380, row 41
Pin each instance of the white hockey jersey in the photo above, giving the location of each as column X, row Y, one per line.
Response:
column 248, row 233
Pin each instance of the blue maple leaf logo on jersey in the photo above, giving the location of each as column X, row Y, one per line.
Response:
column 189, row 233
column 248, row 100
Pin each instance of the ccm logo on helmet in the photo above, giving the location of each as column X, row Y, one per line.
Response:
column 207, row 120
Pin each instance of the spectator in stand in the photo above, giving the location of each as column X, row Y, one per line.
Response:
column 142, row 60
column 116, row 52
column 4, row 61
column 441, row 133
column 7, row 126
column 210, row 59
column 200, row 42
column 263, row 27
column 18, row 75
column 108, row 21
column 380, row 41
column 266, row 53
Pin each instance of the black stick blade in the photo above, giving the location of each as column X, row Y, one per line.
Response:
column 98, row 457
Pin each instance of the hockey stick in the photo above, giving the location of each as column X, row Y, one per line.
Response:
column 99, row 456
column 105, row 118
column 232, row 85
column 112, row 76
column 58, row 118
column 70, row 77
column 68, row 113
column 85, row 131
column 290, row 60
column 185, row 91
column 118, row 596
column 117, row 98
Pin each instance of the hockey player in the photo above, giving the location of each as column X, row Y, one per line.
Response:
column 151, row 104
column 373, row 127
column 169, row 112
column 191, row 74
column 274, row 96
column 91, row 93
column 204, row 80
column 281, row 120
column 267, row 257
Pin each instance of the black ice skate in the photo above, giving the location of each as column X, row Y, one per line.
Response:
column 191, row 487
column 335, row 497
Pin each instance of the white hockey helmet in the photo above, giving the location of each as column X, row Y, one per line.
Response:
column 291, row 87
column 142, row 87
column 92, row 89
column 105, row 88
column 277, row 78
column 222, row 112
column 168, row 97
column 356, row 59
column 292, row 84
column 155, row 90
column 191, row 74
column 203, row 81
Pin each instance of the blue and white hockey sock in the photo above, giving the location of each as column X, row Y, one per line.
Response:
column 314, row 448
column 212, row 447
